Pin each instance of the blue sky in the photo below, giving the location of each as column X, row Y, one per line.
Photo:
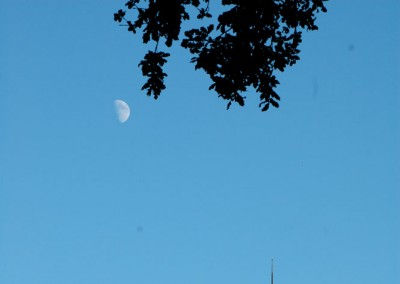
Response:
column 185, row 191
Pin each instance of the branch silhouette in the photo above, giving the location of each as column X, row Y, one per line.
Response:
column 251, row 41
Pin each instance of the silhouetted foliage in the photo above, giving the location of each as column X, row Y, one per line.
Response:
column 251, row 40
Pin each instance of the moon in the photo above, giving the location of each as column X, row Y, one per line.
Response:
column 122, row 109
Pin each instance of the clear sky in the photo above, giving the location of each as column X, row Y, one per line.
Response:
column 185, row 191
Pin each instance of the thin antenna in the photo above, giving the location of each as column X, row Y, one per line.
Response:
column 272, row 271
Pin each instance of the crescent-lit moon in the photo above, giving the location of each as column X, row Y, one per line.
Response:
column 122, row 109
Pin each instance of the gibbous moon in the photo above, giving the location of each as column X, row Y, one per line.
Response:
column 122, row 110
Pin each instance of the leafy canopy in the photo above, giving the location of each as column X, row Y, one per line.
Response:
column 251, row 40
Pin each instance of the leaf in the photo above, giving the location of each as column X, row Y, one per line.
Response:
column 274, row 103
column 266, row 107
column 119, row 16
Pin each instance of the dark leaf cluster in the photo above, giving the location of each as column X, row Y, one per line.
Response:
column 152, row 68
column 250, row 42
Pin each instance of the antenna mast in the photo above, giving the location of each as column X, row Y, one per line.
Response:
column 272, row 271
